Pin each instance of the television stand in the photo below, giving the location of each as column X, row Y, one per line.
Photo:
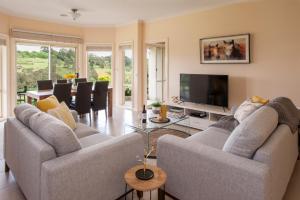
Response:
column 213, row 114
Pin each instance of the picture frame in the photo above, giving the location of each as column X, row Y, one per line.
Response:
column 233, row 49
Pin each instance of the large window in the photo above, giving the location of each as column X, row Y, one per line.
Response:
column 99, row 65
column 35, row 62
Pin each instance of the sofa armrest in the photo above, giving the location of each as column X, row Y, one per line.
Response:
column 197, row 171
column 24, row 152
column 93, row 173
column 75, row 115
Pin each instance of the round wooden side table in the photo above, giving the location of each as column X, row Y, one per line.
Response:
column 141, row 186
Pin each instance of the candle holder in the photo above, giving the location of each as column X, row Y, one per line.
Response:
column 145, row 173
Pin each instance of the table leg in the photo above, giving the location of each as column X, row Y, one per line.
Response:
column 125, row 190
column 29, row 100
column 110, row 102
column 161, row 194
column 139, row 194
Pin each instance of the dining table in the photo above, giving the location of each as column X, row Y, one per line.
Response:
column 42, row 94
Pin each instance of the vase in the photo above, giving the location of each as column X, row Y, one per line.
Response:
column 155, row 110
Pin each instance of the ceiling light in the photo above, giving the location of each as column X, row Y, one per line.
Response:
column 75, row 13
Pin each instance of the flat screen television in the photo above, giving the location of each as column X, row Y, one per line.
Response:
column 204, row 89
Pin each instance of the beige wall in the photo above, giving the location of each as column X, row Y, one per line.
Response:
column 4, row 23
column 275, row 47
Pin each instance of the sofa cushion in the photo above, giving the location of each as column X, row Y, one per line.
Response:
column 19, row 108
column 63, row 113
column 24, row 112
column 83, row 130
column 93, row 139
column 55, row 133
column 213, row 137
column 246, row 109
column 252, row 132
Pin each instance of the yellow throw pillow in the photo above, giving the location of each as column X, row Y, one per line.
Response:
column 48, row 103
column 258, row 99
column 63, row 113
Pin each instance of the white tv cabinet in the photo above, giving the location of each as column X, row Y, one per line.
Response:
column 213, row 114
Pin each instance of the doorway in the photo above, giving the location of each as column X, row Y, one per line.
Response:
column 127, row 75
column 156, row 72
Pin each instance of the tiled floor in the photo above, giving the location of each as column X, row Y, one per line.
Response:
column 9, row 190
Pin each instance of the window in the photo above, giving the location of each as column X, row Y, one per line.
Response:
column 99, row 63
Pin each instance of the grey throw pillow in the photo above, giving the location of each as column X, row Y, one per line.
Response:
column 54, row 132
column 252, row 132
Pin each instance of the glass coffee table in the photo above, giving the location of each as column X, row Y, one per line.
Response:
column 149, row 127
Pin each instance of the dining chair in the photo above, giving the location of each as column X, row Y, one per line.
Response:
column 82, row 102
column 22, row 95
column 45, row 85
column 62, row 91
column 61, row 81
column 80, row 80
column 99, row 101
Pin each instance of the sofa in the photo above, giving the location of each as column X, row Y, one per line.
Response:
column 94, row 171
column 198, row 167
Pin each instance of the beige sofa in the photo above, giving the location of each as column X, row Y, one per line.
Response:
column 95, row 171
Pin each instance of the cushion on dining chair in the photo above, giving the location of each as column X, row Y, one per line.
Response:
column 48, row 103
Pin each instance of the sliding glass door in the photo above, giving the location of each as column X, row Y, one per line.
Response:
column 42, row 62
column 32, row 64
column 62, row 61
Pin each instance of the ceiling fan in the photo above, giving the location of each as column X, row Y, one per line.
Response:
column 74, row 14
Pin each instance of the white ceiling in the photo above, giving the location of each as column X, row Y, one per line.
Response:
column 105, row 12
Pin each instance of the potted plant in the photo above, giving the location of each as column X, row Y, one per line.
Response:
column 156, row 107
column 127, row 94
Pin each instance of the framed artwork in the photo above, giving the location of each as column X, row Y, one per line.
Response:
column 234, row 49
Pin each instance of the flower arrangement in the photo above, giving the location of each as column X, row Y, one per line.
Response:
column 104, row 77
column 70, row 76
